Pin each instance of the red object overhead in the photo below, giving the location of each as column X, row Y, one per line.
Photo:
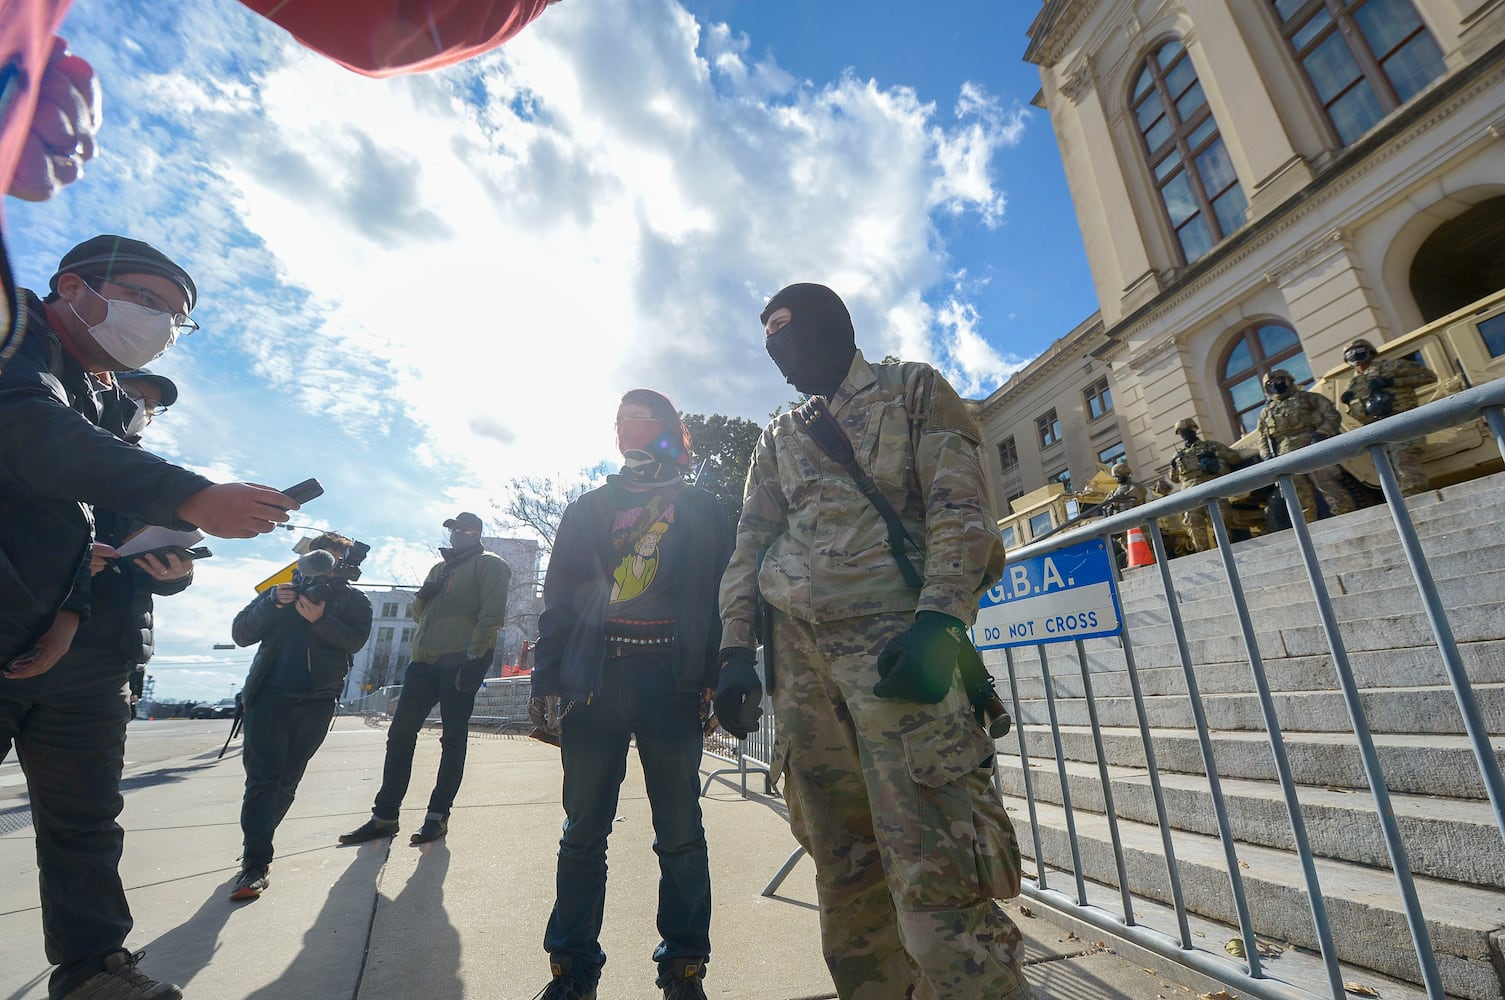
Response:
column 384, row 38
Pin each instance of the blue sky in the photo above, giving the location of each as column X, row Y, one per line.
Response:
column 418, row 289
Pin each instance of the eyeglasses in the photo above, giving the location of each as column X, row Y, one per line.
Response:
column 149, row 299
column 153, row 410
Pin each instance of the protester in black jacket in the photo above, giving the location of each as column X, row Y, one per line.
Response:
column 309, row 631
column 114, row 305
column 628, row 643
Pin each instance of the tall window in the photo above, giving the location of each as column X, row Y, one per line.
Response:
column 1008, row 455
column 1364, row 58
column 1112, row 453
column 1195, row 178
column 389, row 609
column 407, row 634
column 1257, row 351
column 1099, row 399
column 384, row 634
column 1049, row 428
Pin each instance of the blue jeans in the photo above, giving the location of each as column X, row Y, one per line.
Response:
column 423, row 686
column 281, row 736
column 637, row 696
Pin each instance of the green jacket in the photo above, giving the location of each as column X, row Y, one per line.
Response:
column 462, row 603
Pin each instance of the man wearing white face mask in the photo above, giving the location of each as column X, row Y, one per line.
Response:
column 114, row 305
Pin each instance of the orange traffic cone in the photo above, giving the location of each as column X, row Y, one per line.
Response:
column 1138, row 547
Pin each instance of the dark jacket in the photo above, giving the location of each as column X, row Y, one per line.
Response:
column 577, row 572
column 54, row 463
column 120, row 626
column 332, row 640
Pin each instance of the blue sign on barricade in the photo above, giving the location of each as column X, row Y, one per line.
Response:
column 1069, row 594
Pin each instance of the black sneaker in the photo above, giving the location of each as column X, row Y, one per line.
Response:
column 250, row 884
column 372, row 829
column 122, row 980
column 683, row 980
column 432, row 829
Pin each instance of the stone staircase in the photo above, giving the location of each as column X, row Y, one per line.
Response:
column 1454, row 845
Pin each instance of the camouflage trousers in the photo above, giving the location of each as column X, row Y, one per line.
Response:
column 1327, row 480
column 911, row 844
column 1405, row 456
column 1199, row 526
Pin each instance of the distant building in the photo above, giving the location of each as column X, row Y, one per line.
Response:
column 1257, row 185
column 385, row 656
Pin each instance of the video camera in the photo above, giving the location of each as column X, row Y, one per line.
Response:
column 348, row 555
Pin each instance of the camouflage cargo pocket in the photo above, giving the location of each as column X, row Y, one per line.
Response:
column 943, row 757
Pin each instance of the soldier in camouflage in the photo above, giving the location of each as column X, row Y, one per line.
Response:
column 1380, row 388
column 1196, row 462
column 886, row 767
column 1129, row 494
column 1294, row 418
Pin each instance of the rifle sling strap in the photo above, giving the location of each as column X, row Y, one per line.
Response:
column 817, row 421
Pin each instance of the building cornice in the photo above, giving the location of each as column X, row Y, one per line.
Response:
column 1053, row 29
column 1048, row 361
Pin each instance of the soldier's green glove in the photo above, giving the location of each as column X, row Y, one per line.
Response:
column 739, row 692
column 920, row 664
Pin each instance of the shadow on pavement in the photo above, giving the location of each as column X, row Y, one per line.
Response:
column 419, row 909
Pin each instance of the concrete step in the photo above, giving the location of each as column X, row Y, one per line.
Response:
column 1429, row 709
column 1363, row 903
column 1477, row 623
column 1358, row 566
column 1290, row 603
column 1412, row 764
column 1453, row 839
column 1484, row 662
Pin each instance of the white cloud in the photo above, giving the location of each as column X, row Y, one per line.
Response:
column 418, row 289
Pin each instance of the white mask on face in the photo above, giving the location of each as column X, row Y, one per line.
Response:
column 132, row 334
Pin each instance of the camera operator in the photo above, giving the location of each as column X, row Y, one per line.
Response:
column 309, row 631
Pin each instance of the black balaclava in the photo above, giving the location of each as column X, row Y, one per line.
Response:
column 815, row 348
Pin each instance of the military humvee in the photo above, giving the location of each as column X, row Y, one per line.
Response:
column 1465, row 348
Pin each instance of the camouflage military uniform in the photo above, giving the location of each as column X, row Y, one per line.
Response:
column 1187, row 468
column 1294, row 421
column 1365, row 395
column 910, row 843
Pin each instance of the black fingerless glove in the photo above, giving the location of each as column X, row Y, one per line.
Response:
column 920, row 664
column 739, row 693
column 1347, row 397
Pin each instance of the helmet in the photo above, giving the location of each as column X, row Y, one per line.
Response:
column 1280, row 375
column 1120, row 469
column 1186, row 424
column 1358, row 351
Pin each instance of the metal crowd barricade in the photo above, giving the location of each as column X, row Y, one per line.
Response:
column 1252, row 978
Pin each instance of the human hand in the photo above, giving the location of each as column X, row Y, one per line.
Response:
column 310, row 611
column 63, row 127
column 284, row 594
column 739, row 694
column 49, row 649
column 171, row 567
column 919, row 665
column 1386, row 382
column 100, row 556
column 236, row 510
column 1347, row 397
column 543, row 712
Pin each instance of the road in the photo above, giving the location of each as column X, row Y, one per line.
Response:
column 146, row 744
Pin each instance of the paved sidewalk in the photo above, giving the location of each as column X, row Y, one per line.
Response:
column 462, row 918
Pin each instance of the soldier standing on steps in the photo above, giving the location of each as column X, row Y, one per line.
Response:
column 1380, row 388
column 1294, row 418
column 1196, row 462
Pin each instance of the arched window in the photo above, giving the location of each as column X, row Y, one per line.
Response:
column 1256, row 351
column 1198, row 188
column 1364, row 58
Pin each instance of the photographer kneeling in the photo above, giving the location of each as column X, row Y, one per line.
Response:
column 309, row 631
